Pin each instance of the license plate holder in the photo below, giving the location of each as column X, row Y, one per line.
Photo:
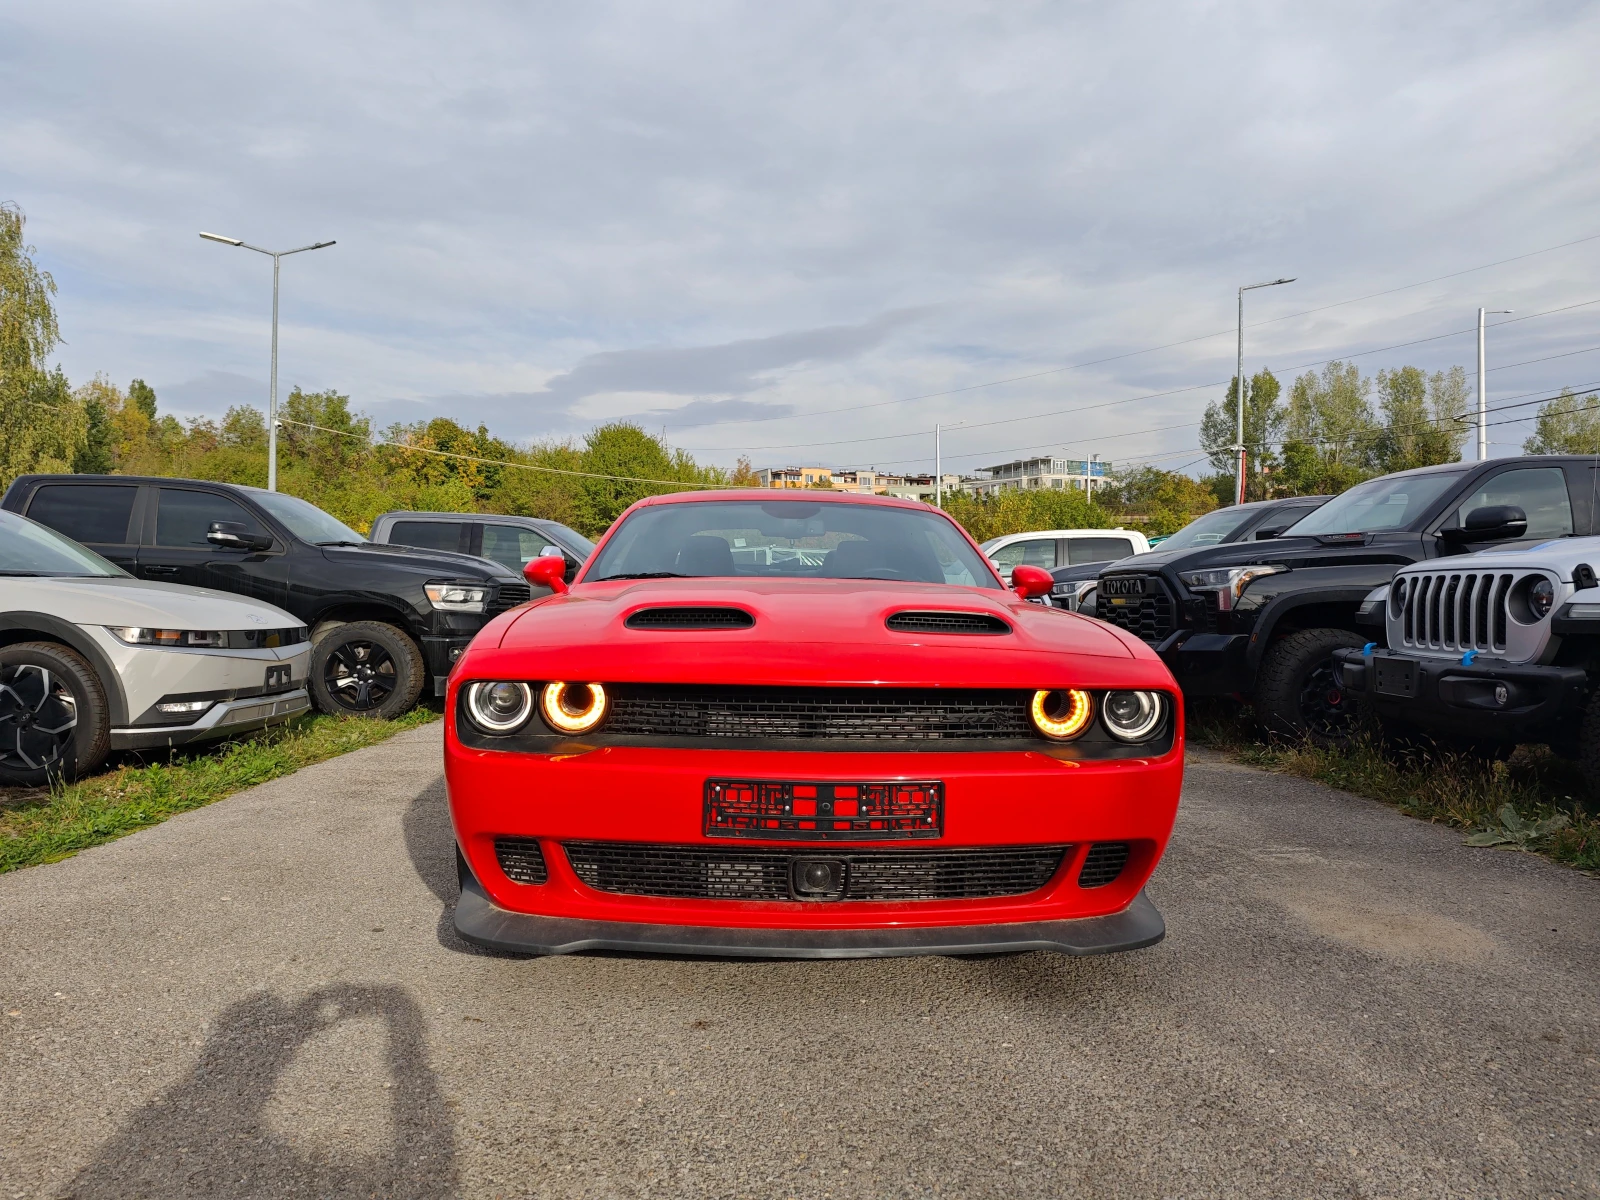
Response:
column 280, row 677
column 1394, row 677
column 806, row 811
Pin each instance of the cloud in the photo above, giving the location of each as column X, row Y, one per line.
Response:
column 213, row 393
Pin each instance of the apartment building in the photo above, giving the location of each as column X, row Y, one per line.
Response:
column 1029, row 473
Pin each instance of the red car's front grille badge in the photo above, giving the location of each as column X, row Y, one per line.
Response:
column 760, row 808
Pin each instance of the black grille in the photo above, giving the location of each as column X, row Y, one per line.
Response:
column 847, row 714
column 1103, row 864
column 690, row 618
column 1148, row 616
column 946, row 622
column 521, row 859
column 693, row 872
column 507, row 596
column 1213, row 603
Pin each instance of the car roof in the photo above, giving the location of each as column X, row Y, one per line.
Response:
column 461, row 516
column 768, row 495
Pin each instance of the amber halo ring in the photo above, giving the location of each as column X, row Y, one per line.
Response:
column 573, row 707
column 1062, row 714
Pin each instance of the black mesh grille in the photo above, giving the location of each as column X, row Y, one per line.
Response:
column 690, row 618
column 849, row 714
column 946, row 622
column 521, row 859
column 1103, row 864
column 1148, row 616
column 507, row 596
column 638, row 869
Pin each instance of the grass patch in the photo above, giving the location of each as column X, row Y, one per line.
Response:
column 1545, row 794
column 39, row 826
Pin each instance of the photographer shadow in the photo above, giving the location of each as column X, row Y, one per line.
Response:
column 211, row 1134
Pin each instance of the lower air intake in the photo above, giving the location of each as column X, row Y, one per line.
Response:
column 712, row 873
column 521, row 859
column 1103, row 864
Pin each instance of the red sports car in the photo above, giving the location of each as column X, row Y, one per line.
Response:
column 806, row 727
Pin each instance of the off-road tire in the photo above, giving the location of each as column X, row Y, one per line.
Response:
column 1589, row 744
column 30, row 757
column 1292, row 670
column 390, row 686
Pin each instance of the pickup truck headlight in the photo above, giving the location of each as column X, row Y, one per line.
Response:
column 140, row 635
column 456, row 597
column 1228, row 582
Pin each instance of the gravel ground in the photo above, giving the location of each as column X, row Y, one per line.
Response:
column 264, row 999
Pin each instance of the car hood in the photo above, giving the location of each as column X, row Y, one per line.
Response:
column 445, row 563
column 813, row 631
column 1228, row 554
column 118, row 600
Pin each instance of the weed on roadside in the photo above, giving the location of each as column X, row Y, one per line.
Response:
column 1532, row 800
column 40, row 826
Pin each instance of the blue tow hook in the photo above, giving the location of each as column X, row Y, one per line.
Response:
column 1366, row 651
column 1466, row 659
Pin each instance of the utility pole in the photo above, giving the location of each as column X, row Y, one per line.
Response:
column 938, row 464
column 1238, row 447
column 272, row 404
column 1483, row 385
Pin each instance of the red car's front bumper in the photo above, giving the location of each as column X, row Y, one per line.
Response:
column 656, row 797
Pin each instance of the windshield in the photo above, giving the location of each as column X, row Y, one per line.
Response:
column 306, row 521
column 28, row 548
column 1212, row 529
column 790, row 538
column 1393, row 502
column 571, row 539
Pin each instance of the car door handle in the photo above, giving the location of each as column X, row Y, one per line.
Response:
column 154, row 570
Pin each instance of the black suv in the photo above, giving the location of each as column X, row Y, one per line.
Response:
column 384, row 620
column 1262, row 619
column 1074, row 588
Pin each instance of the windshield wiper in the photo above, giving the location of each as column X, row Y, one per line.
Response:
column 339, row 543
column 647, row 575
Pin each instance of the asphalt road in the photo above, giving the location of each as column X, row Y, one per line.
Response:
column 264, row 999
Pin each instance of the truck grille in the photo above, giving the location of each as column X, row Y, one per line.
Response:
column 507, row 596
column 711, row 873
column 1147, row 616
column 1455, row 610
column 848, row 714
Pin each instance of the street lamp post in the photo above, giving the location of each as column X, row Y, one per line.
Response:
column 1483, row 386
column 272, row 406
column 1239, row 379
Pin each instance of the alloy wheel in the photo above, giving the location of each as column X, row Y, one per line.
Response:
column 38, row 714
column 1327, row 710
column 360, row 675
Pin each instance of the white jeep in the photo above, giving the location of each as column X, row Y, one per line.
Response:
column 1499, row 646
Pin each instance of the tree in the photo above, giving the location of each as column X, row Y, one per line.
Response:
column 1332, row 412
column 1158, row 502
column 1263, row 422
column 1020, row 510
column 1420, row 426
column 1566, row 425
column 143, row 397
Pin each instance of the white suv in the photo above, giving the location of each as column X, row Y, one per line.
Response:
column 93, row 660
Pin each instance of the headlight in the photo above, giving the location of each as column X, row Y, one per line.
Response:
column 573, row 707
column 499, row 707
column 1062, row 715
column 139, row 635
column 1228, row 582
column 456, row 597
column 1132, row 716
column 1398, row 591
column 1541, row 598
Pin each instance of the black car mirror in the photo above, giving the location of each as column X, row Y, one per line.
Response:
column 1492, row 523
column 236, row 535
column 1263, row 534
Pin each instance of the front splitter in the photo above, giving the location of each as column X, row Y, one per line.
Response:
column 481, row 922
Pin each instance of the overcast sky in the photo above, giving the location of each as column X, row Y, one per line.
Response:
column 765, row 226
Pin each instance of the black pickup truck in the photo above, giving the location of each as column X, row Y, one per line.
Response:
column 1261, row 619
column 385, row 620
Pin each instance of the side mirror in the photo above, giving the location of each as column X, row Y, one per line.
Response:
column 547, row 571
column 1263, row 534
column 236, row 535
column 1492, row 523
column 1030, row 581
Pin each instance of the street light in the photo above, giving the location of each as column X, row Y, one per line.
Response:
column 1239, row 449
column 938, row 464
column 1483, row 387
column 272, row 407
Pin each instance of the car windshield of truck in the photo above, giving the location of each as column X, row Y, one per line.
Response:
column 1392, row 502
column 1212, row 529
column 789, row 538
column 28, row 548
column 571, row 539
column 306, row 521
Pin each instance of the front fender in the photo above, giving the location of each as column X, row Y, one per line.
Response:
column 1273, row 598
column 65, row 631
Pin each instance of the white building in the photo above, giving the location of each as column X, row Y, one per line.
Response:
column 1085, row 474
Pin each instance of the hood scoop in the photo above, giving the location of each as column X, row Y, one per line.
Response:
column 946, row 622
column 698, row 617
